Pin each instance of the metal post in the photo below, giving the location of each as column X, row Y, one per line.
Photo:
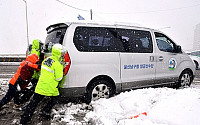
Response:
column 91, row 13
column 26, row 22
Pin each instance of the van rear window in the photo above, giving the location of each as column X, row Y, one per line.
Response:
column 101, row 39
column 54, row 36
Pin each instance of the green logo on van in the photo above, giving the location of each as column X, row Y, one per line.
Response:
column 172, row 64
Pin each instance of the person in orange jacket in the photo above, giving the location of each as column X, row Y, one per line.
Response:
column 21, row 79
column 35, row 48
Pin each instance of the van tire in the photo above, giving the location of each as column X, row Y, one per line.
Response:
column 99, row 89
column 185, row 79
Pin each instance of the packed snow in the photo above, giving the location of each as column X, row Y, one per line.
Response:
column 149, row 106
column 161, row 105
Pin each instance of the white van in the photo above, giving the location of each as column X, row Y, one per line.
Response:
column 107, row 59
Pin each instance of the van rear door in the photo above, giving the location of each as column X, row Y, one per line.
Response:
column 55, row 34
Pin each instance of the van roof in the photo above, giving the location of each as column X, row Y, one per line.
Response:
column 101, row 23
column 109, row 23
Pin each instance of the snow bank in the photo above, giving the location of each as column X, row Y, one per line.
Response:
column 162, row 105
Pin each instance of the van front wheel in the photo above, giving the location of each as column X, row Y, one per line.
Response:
column 99, row 89
column 185, row 79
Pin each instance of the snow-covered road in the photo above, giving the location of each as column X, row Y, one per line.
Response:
column 150, row 106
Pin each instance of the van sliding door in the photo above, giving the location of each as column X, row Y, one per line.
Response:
column 137, row 58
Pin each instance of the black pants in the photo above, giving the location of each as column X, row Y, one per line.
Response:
column 27, row 93
column 30, row 108
column 12, row 92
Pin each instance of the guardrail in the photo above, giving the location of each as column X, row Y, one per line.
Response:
column 9, row 64
column 12, row 57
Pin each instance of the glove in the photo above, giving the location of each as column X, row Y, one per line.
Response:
column 18, row 88
column 39, row 66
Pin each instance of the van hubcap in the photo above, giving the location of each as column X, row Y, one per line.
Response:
column 100, row 91
column 185, row 80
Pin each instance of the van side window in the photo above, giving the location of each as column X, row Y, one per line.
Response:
column 135, row 41
column 101, row 39
column 164, row 43
column 96, row 39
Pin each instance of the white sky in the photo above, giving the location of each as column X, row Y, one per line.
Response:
column 180, row 15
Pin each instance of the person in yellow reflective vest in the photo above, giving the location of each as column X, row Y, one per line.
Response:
column 48, row 84
column 35, row 48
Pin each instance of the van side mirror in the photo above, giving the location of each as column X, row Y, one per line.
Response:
column 178, row 49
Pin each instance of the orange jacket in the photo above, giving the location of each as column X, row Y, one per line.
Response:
column 26, row 70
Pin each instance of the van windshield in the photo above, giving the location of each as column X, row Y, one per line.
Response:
column 55, row 34
column 196, row 53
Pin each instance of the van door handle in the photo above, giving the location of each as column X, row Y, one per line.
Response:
column 160, row 58
column 151, row 58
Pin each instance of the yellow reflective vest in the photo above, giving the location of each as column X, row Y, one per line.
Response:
column 35, row 50
column 51, row 74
